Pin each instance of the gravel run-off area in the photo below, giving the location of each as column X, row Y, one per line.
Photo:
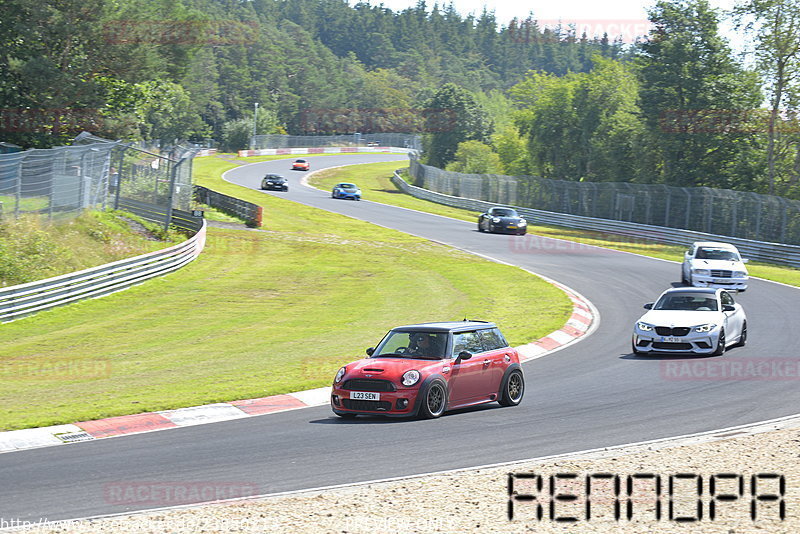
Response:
column 477, row 500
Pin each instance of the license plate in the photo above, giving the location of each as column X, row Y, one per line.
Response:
column 512, row 226
column 670, row 340
column 365, row 395
column 720, row 281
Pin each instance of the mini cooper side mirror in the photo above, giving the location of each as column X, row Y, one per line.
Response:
column 648, row 306
column 370, row 351
column 464, row 355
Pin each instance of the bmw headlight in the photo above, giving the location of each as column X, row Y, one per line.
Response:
column 739, row 274
column 495, row 219
column 705, row 327
column 340, row 375
column 701, row 272
column 410, row 378
column 644, row 327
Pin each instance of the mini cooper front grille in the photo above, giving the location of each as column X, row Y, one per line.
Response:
column 365, row 384
column 672, row 346
column 367, row 406
column 721, row 274
column 677, row 331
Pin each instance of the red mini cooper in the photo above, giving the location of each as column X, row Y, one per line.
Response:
column 426, row 369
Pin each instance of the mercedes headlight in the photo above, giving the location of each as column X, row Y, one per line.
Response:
column 702, row 272
column 410, row 378
column 705, row 327
column 739, row 274
column 644, row 327
column 340, row 375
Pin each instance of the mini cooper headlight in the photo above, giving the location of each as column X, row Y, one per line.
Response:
column 644, row 327
column 705, row 327
column 339, row 375
column 410, row 378
column 701, row 272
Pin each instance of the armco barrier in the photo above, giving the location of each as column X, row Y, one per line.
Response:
column 757, row 250
column 25, row 299
column 160, row 214
column 242, row 209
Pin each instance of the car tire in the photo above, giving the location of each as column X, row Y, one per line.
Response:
column 480, row 228
column 522, row 232
column 513, row 389
column 742, row 338
column 683, row 278
column 720, row 344
column 635, row 350
column 434, row 403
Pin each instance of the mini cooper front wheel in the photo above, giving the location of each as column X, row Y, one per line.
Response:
column 513, row 389
column 435, row 400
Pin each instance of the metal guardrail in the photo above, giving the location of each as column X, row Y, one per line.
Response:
column 26, row 299
column 162, row 215
column 247, row 211
column 756, row 250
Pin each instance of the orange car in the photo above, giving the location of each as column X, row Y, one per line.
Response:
column 300, row 165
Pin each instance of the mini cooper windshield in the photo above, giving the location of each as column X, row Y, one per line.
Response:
column 417, row 345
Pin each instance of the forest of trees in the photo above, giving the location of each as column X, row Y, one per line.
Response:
column 678, row 107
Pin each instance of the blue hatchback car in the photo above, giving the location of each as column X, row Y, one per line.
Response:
column 347, row 191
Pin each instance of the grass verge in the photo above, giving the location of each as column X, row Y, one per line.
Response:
column 375, row 183
column 259, row 313
column 31, row 248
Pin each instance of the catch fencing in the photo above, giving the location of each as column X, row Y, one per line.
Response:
column 402, row 140
column 56, row 182
column 722, row 212
column 758, row 250
column 96, row 173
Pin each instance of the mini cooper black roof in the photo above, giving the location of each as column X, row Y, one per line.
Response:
column 451, row 326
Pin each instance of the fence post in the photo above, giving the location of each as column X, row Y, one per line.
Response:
column 18, row 189
column 172, row 176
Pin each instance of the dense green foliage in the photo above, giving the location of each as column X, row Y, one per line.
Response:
column 678, row 107
column 192, row 68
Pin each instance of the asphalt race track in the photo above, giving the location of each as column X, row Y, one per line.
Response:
column 592, row 394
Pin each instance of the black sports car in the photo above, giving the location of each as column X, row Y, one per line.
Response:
column 503, row 220
column 275, row 182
